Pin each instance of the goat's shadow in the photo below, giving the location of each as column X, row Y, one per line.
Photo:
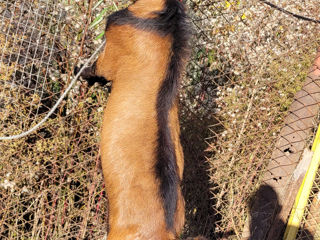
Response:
column 200, row 216
column 264, row 209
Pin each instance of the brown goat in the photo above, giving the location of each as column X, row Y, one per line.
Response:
column 142, row 159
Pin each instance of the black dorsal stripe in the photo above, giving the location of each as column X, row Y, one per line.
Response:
column 171, row 20
column 166, row 166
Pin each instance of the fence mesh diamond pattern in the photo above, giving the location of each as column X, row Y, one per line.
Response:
column 248, row 61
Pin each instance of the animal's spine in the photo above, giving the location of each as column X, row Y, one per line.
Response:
column 172, row 20
column 166, row 166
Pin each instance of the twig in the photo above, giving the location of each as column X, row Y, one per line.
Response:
column 289, row 13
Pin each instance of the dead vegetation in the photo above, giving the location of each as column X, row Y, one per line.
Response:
column 248, row 61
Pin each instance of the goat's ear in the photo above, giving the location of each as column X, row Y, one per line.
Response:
column 89, row 74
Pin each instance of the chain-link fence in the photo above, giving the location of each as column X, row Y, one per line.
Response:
column 248, row 61
column 309, row 228
column 50, row 185
column 258, row 57
column 29, row 57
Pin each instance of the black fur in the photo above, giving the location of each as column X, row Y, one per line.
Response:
column 171, row 20
column 90, row 76
column 165, row 23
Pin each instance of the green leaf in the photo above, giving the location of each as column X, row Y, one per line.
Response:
column 211, row 56
column 98, row 19
column 100, row 36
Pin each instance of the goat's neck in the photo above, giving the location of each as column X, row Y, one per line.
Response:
column 146, row 8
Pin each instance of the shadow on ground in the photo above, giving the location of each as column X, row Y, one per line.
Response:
column 265, row 210
column 200, row 216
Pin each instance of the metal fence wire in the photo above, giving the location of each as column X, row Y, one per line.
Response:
column 248, row 60
column 309, row 228
column 29, row 56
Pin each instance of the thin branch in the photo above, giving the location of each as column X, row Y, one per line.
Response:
column 289, row 13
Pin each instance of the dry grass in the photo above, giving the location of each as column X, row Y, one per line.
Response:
column 247, row 63
column 52, row 186
column 266, row 63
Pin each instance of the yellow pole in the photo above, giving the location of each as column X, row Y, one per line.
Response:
column 304, row 192
column 316, row 140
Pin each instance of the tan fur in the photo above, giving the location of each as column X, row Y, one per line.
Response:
column 136, row 61
column 129, row 134
column 146, row 8
column 175, row 134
